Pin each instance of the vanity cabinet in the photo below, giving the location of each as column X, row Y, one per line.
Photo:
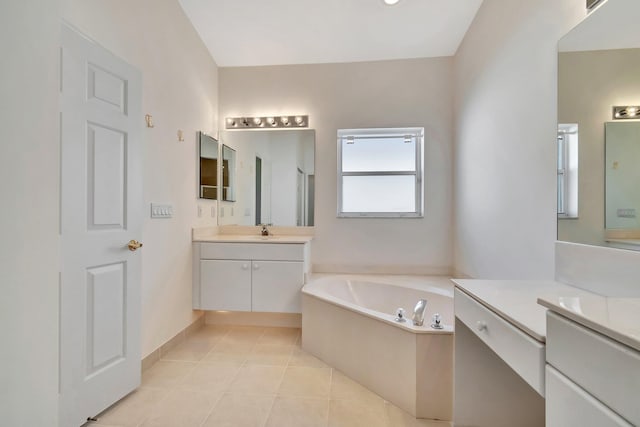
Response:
column 591, row 379
column 261, row 277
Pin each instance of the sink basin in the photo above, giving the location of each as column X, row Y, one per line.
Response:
column 254, row 237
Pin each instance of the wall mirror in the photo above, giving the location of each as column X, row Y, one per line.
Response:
column 208, row 184
column 597, row 70
column 228, row 174
column 275, row 177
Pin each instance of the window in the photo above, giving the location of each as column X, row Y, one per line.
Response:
column 567, row 171
column 380, row 172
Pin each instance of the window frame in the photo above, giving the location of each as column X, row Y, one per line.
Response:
column 567, row 171
column 416, row 133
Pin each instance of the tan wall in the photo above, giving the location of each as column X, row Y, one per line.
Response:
column 180, row 91
column 29, row 217
column 363, row 95
column 505, row 103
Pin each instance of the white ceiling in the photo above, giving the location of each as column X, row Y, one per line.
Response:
column 276, row 32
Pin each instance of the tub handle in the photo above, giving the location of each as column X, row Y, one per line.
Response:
column 400, row 315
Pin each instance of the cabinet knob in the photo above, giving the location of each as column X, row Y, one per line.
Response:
column 482, row 326
column 256, row 266
column 245, row 266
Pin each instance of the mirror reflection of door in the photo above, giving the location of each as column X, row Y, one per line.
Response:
column 300, row 198
column 311, row 190
column 258, row 191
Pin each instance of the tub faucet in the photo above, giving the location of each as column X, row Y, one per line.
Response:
column 418, row 312
column 265, row 230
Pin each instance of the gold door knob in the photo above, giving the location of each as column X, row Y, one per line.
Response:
column 133, row 245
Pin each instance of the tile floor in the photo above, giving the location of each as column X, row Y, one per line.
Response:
column 250, row 376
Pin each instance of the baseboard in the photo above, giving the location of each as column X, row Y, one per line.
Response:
column 178, row 338
column 241, row 318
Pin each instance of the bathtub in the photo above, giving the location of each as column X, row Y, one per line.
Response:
column 348, row 321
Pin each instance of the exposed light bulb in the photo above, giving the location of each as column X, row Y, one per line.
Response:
column 299, row 120
column 284, row 120
column 632, row 111
column 231, row 122
column 271, row 121
column 257, row 121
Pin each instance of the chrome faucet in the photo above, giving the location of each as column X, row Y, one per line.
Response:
column 418, row 312
column 265, row 230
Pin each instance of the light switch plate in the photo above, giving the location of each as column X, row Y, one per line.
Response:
column 161, row 211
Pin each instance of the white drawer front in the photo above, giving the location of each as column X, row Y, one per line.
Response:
column 607, row 370
column 567, row 405
column 523, row 354
column 245, row 251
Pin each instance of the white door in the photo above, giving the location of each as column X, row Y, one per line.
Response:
column 101, row 211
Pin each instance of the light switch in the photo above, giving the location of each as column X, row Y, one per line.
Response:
column 626, row 213
column 161, row 211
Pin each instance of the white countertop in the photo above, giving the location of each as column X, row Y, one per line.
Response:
column 252, row 238
column 517, row 300
column 617, row 318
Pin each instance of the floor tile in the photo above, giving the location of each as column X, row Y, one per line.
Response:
column 298, row 412
column 350, row 413
column 398, row 417
column 211, row 377
column 270, row 355
column 244, row 334
column 231, row 345
column 133, row 409
column 232, row 358
column 166, row 374
column 344, row 388
column 182, row 408
column 305, row 382
column 240, row 410
column 257, row 380
column 190, row 350
column 300, row 357
column 281, row 336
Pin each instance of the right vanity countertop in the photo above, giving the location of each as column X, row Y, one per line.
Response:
column 617, row 318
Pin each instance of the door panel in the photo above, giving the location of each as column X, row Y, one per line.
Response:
column 106, row 300
column 101, row 210
column 106, row 160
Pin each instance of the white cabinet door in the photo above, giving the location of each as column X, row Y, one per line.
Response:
column 276, row 286
column 225, row 285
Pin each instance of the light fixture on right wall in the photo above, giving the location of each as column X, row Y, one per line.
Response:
column 622, row 112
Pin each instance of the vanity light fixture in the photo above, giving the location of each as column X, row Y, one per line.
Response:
column 390, row 2
column 623, row 112
column 264, row 122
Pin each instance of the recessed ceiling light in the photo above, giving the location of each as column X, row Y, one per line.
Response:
column 391, row 2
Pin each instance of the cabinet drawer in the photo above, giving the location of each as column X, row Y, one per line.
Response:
column 523, row 354
column 247, row 251
column 604, row 368
column 567, row 405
